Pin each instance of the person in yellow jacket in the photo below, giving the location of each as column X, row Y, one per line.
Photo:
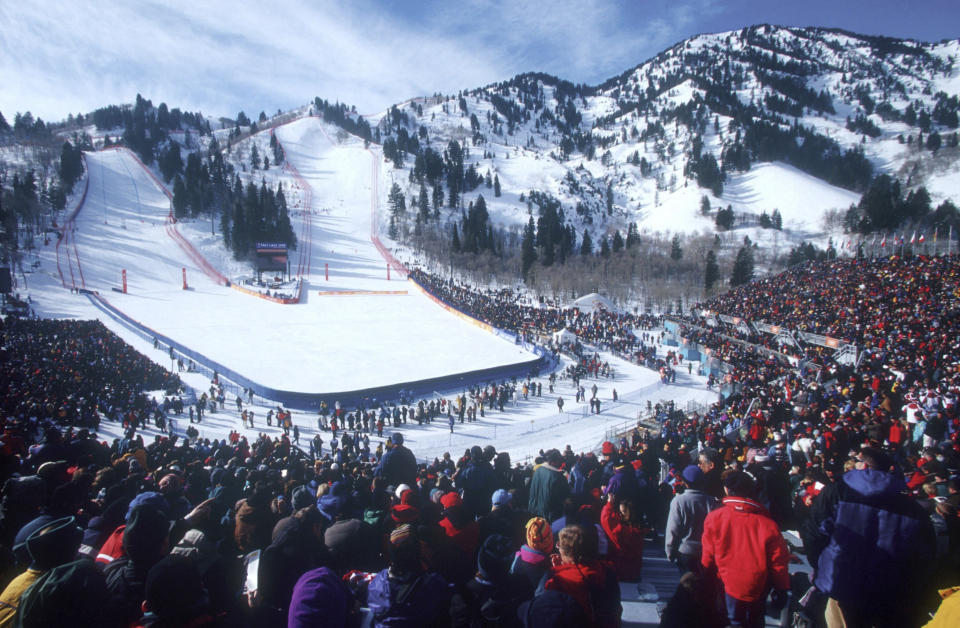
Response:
column 948, row 615
column 51, row 545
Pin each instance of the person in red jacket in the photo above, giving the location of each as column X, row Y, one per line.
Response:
column 626, row 537
column 458, row 526
column 743, row 546
column 577, row 572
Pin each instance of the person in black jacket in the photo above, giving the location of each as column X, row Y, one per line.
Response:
column 145, row 542
column 493, row 596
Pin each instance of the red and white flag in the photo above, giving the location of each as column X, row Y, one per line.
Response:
column 921, row 239
column 913, row 238
column 883, row 242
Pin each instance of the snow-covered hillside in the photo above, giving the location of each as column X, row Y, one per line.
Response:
column 713, row 116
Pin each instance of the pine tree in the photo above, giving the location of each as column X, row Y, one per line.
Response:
column 586, row 244
column 71, row 165
column 604, row 247
column 179, row 198
column 676, row 253
column 254, row 158
column 456, row 240
column 633, row 236
column 742, row 266
column 398, row 204
column 712, row 271
column 528, row 248
column 496, row 186
column 423, row 203
column 170, row 162
column 704, row 205
column 617, row 242
column 725, row 218
column 776, row 220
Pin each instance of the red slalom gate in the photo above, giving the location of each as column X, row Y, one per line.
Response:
column 184, row 278
column 123, row 276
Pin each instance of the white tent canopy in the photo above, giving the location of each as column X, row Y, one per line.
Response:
column 564, row 336
column 593, row 301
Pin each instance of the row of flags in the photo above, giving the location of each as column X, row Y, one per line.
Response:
column 897, row 240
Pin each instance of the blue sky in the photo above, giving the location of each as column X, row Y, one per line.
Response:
column 223, row 56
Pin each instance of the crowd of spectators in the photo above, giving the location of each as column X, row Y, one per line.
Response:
column 166, row 531
column 506, row 309
column 864, row 463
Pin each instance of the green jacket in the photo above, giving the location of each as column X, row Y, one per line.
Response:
column 548, row 489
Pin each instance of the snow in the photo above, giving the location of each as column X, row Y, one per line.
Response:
column 326, row 343
column 801, row 198
column 594, row 301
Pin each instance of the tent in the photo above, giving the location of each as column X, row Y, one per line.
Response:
column 564, row 337
column 593, row 301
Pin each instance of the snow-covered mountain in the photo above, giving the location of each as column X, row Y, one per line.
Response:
column 764, row 118
column 773, row 125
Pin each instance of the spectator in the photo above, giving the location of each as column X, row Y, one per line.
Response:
column 619, row 521
column 688, row 510
column 548, row 488
column 49, row 546
column 503, row 519
column 743, row 546
column 145, row 542
column 459, row 526
column 578, row 573
column 533, row 560
column 175, row 596
column 404, row 594
column 873, row 546
column 321, row 599
column 494, row 595
column 477, row 481
column 398, row 465
column 73, row 594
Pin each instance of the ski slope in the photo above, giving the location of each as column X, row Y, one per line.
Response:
column 327, row 343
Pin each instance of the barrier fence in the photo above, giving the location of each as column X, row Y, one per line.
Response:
column 66, row 227
column 311, row 401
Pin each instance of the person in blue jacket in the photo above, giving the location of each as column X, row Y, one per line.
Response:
column 398, row 465
column 404, row 594
column 872, row 545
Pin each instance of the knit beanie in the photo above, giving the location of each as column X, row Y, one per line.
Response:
column 494, row 558
column 539, row 535
column 405, row 548
column 174, row 590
